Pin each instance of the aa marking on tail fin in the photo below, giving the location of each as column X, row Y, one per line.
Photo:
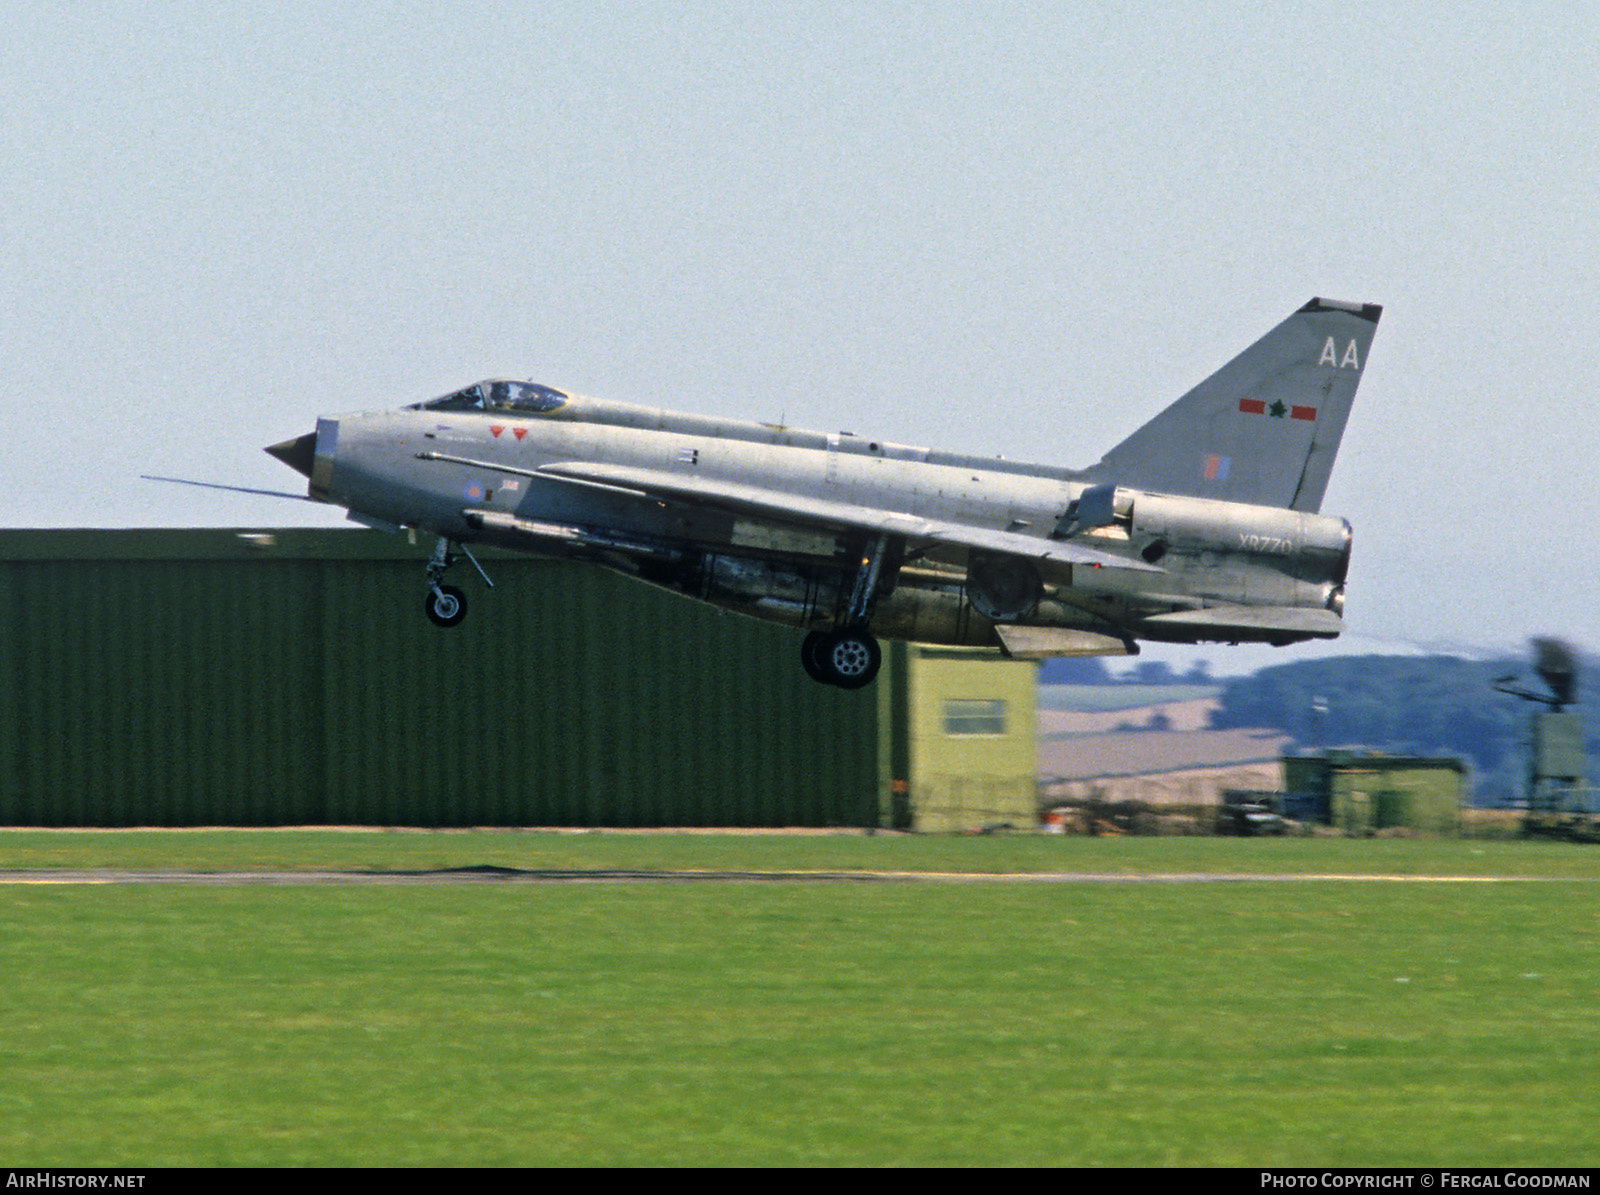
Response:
column 1330, row 356
column 1275, row 412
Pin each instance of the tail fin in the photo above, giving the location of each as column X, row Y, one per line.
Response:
column 1264, row 428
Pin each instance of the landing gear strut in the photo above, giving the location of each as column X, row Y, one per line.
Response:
column 444, row 604
column 849, row 656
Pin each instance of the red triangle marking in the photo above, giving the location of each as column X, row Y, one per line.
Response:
column 497, row 428
column 519, row 432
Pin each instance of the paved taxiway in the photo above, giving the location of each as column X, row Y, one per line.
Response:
column 511, row 875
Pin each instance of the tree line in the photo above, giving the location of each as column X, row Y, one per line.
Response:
column 1403, row 705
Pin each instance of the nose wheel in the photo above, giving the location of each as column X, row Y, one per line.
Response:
column 446, row 605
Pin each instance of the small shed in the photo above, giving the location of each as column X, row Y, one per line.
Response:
column 1365, row 793
column 971, row 749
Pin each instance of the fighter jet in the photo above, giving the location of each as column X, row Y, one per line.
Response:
column 1202, row 525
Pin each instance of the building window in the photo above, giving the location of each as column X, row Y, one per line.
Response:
column 969, row 715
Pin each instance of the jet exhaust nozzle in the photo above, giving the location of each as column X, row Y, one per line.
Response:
column 298, row 453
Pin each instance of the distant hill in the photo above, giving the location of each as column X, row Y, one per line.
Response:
column 1114, row 696
column 1101, row 709
column 1092, row 670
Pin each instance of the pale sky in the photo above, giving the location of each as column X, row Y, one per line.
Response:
column 1000, row 228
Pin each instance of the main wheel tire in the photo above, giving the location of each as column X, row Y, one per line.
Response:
column 809, row 660
column 849, row 659
column 446, row 607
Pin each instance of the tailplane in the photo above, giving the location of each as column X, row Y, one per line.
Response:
column 1263, row 429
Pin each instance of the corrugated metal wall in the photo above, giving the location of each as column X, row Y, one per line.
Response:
column 188, row 678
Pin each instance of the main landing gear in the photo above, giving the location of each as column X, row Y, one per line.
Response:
column 849, row 657
column 444, row 604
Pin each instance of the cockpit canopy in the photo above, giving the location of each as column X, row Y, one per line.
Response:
column 526, row 398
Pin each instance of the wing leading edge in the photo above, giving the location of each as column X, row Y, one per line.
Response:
column 757, row 500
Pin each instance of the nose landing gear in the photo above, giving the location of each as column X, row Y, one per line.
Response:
column 445, row 605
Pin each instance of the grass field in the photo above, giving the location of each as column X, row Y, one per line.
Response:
column 409, row 850
column 1249, row 1023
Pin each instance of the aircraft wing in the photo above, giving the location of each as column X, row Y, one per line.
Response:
column 740, row 496
column 1296, row 620
column 759, row 500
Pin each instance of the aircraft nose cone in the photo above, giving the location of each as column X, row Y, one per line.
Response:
column 297, row 453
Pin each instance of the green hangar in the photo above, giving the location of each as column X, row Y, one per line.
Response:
column 290, row 677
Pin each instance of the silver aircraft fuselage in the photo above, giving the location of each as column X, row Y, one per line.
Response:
column 475, row 477
column 1202, row 525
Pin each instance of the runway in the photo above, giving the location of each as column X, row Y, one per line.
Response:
column 510, row 875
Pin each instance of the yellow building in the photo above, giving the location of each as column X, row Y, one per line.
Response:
column 968, row 757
